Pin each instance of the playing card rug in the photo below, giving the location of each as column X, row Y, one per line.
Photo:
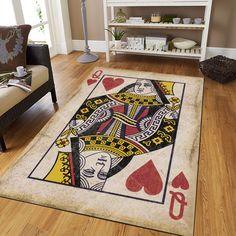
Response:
column 125, row 148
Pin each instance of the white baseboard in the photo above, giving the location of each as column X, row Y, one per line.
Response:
column 95, row 46
column 228, row 52
column 64, row 48
column 100, row 46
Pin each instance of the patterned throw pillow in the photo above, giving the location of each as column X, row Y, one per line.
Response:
column 13, row 44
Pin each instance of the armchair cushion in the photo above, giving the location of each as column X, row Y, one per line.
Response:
column 11, row 96
column 13, row 45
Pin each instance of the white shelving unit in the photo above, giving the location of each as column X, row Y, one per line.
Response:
column 195, row 53
column 192, row 53
column 159, row 26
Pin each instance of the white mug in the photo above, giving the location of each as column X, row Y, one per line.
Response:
column 20, row 70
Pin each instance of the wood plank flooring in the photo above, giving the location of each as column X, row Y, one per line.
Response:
column 216, row 194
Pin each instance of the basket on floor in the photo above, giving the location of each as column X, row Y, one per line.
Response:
column 219, row 68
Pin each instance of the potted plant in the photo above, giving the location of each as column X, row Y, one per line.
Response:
column 118, row 35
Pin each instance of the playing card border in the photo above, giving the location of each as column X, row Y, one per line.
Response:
column 117, row 194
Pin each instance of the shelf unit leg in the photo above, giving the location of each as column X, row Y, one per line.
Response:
column 206, row 30
column 106, row 32
column 113, row 17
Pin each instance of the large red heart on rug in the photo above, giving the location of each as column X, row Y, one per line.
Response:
column 91, row 81
column 110, row 82
column 146, row 177
column 180, row 181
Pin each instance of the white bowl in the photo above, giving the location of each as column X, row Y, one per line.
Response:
column 182, row 43
column 176, row 20
column 198, row 21
column 187, row 20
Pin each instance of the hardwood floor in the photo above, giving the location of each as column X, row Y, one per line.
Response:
column 216, row 194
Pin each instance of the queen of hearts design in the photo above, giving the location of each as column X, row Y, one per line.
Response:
column 131, row 117
column 94, row 170
column 118, row 127
column 125, row 113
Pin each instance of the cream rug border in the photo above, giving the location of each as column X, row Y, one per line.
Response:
column 41, row 143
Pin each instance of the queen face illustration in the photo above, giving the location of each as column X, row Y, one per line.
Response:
column 94, row 169
column 144, row 87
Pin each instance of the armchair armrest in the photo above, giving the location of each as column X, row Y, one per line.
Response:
column 38, row 54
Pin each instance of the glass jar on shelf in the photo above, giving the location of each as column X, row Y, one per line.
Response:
column 156, row 18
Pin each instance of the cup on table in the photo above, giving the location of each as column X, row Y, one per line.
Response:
column 21, row 70
column 198, row 21
column 187, row 20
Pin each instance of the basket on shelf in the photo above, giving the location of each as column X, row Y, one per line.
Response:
column 219, row 68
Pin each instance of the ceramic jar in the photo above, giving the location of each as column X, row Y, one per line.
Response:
column 156, row 18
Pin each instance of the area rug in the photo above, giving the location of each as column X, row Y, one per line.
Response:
column 125, row 148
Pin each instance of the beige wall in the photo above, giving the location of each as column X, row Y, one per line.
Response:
column 223, row 24
column 222, row 29
column 95, row 19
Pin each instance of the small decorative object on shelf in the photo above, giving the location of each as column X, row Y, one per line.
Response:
column 135, row 20
column 135, row 43
column 130, row 42
column 165, row 48
column 156, row 18
column 219, row 68
column 198, row 21
column 155, row 43
column 176, row 20
column 187, row 20
column 182, row 43
column 168, row 18
column 170, row 45
column 120, row 17
column 118, row 35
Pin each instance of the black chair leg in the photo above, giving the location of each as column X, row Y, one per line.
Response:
column 54, row 95
column 2, row 144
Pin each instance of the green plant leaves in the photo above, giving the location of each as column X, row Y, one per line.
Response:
column 117, row 34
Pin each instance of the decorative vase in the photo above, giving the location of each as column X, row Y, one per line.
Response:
column 120, row 17
column 118, row 44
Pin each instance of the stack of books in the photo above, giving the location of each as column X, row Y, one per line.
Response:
column 135, row 20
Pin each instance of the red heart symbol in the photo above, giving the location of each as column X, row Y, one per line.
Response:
column 110, row 83
column 180, row 181
column 91, row 81
column 146, row 176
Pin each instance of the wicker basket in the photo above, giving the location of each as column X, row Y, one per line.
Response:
column 219, row 68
